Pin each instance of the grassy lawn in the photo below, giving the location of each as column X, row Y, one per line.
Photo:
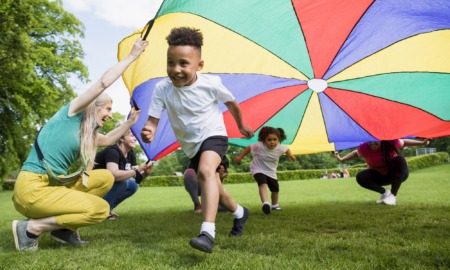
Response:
column 325, row 224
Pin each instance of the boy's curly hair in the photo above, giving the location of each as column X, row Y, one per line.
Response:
column 185, row 36
column 266, row 131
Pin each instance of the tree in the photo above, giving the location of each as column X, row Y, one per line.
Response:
column 39, row 52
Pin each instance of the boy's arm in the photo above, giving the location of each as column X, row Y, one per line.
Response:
column 242, row 155
column 149, row 129
column 235, row 111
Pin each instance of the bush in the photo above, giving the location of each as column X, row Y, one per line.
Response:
column 8, row 184
column 414, row 163
column 424, row 161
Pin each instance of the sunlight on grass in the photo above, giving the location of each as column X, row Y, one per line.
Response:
column 325, row 224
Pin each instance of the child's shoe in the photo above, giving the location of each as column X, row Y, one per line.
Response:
column 239, row 224
column 204, row 242
column 266, row 208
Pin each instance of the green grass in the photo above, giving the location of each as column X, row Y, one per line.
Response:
column 325, row 224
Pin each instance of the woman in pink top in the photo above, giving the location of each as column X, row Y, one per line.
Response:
column 385, row 166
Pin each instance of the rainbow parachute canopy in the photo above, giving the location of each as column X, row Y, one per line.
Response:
column 331, row 73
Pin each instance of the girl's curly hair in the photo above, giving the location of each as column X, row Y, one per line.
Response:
column 266, row 131
column 185, row 36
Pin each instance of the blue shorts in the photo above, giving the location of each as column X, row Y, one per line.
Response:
column 218, row 144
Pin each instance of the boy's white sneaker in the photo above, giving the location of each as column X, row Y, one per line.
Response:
column 390, row 200
column 384, row 196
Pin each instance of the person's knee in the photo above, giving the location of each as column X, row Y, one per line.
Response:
column 133, row 187
column 360, row 179
column 99, row 211
column 205, row 174
column 190, row 172
column 189, row 176
column 274, row 189
column 102, row 178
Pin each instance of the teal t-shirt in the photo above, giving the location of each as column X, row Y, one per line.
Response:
column 59, row 141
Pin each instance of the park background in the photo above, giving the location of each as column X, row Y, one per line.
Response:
column 325, row 224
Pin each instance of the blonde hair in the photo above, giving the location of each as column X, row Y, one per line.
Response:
column 88, row 131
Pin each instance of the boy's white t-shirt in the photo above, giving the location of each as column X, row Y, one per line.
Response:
column 265, row 160
column 193, row 110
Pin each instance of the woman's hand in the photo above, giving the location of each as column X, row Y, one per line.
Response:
column 138, row 47
column 134, row 115
column 146, row 168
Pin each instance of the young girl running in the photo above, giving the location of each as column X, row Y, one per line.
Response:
column 266, row 153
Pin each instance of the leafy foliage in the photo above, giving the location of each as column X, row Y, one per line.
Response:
column 39, row 52
column 177, row 161
column 414, row 163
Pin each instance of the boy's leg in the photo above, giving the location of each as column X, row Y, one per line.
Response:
column 207, row 177
column 225, row 198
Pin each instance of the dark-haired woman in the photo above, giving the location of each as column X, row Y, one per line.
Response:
column 385, row 166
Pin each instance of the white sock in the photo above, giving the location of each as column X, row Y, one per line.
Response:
column 274, row 205
column 239, row 212
column 209, row 227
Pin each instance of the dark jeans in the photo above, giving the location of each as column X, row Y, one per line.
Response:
column 397, row 174
column 120, row 191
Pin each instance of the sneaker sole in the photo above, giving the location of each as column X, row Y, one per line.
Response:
column 388, row 203
column 199, row 246
column 16, row 239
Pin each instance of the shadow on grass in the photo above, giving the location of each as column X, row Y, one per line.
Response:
column 325, row 232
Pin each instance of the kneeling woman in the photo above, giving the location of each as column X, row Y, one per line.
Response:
column 53, row 203
column 385, row 166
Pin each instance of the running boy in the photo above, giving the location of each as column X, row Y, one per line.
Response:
column 266, row 153
column 191, row 100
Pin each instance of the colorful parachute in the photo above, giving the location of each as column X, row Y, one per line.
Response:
column 331, row 73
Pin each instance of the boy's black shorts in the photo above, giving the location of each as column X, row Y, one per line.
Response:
column 218, row 144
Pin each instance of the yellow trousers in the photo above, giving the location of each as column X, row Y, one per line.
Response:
column 73, row 207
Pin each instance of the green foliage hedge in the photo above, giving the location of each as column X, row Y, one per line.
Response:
column 414, row 163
